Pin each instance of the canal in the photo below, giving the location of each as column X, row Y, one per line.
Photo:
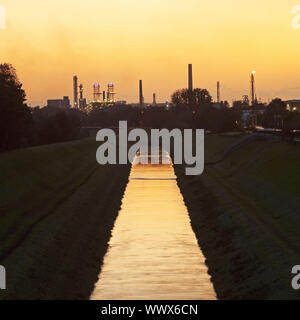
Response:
column 153, row 252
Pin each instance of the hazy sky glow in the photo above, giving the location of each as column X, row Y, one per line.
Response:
column 122, row 41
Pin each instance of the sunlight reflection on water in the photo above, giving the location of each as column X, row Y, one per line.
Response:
column 153, row 252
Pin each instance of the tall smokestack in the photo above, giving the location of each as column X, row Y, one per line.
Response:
column 104, row 96
column 141, row 93
column 75, row 85
column 253, row 88
column 81, row 91
column 154, row 99
column 190, row 77
column 218, row 92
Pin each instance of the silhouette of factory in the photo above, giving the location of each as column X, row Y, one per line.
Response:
column 105, row 97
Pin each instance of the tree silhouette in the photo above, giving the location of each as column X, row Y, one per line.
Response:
column 193, row 98
column 15, row 116
column 275, row 114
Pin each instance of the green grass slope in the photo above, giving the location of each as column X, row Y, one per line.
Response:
column 245, row 213
column 57, row 209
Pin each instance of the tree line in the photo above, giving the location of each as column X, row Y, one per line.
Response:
column 21, row 126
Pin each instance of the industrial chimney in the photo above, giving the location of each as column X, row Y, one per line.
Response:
column 141, row 94
column 75, row 85
column 253, row 99
column 218, row 92
column 154, row 99
column 190, row 77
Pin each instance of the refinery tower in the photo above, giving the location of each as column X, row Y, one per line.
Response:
column 75, row 87
column 107, row 96
column 111, row 92
column 97, row 92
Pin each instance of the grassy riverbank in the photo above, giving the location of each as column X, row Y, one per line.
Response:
column 57, row 209
column 245, row 213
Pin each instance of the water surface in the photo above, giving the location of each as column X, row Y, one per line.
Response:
column 153, row 252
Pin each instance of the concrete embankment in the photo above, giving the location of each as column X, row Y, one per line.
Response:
column 57, row 209
column 244, row 212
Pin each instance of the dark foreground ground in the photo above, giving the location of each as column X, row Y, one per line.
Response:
column 58, row 206
column 245, row 211
column 57, row 209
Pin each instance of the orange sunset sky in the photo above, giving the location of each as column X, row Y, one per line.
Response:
column 122, row 41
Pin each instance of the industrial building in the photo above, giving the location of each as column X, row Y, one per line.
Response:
column 293, row 105
column 99, row 97
column 121, row 103
column 82, row 100
column 96, row 92
column 59, row 103
column 111, row 93
column 80, row 103
column 104, row 96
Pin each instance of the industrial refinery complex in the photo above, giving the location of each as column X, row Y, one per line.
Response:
column 100, row 97
column 104, row 96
